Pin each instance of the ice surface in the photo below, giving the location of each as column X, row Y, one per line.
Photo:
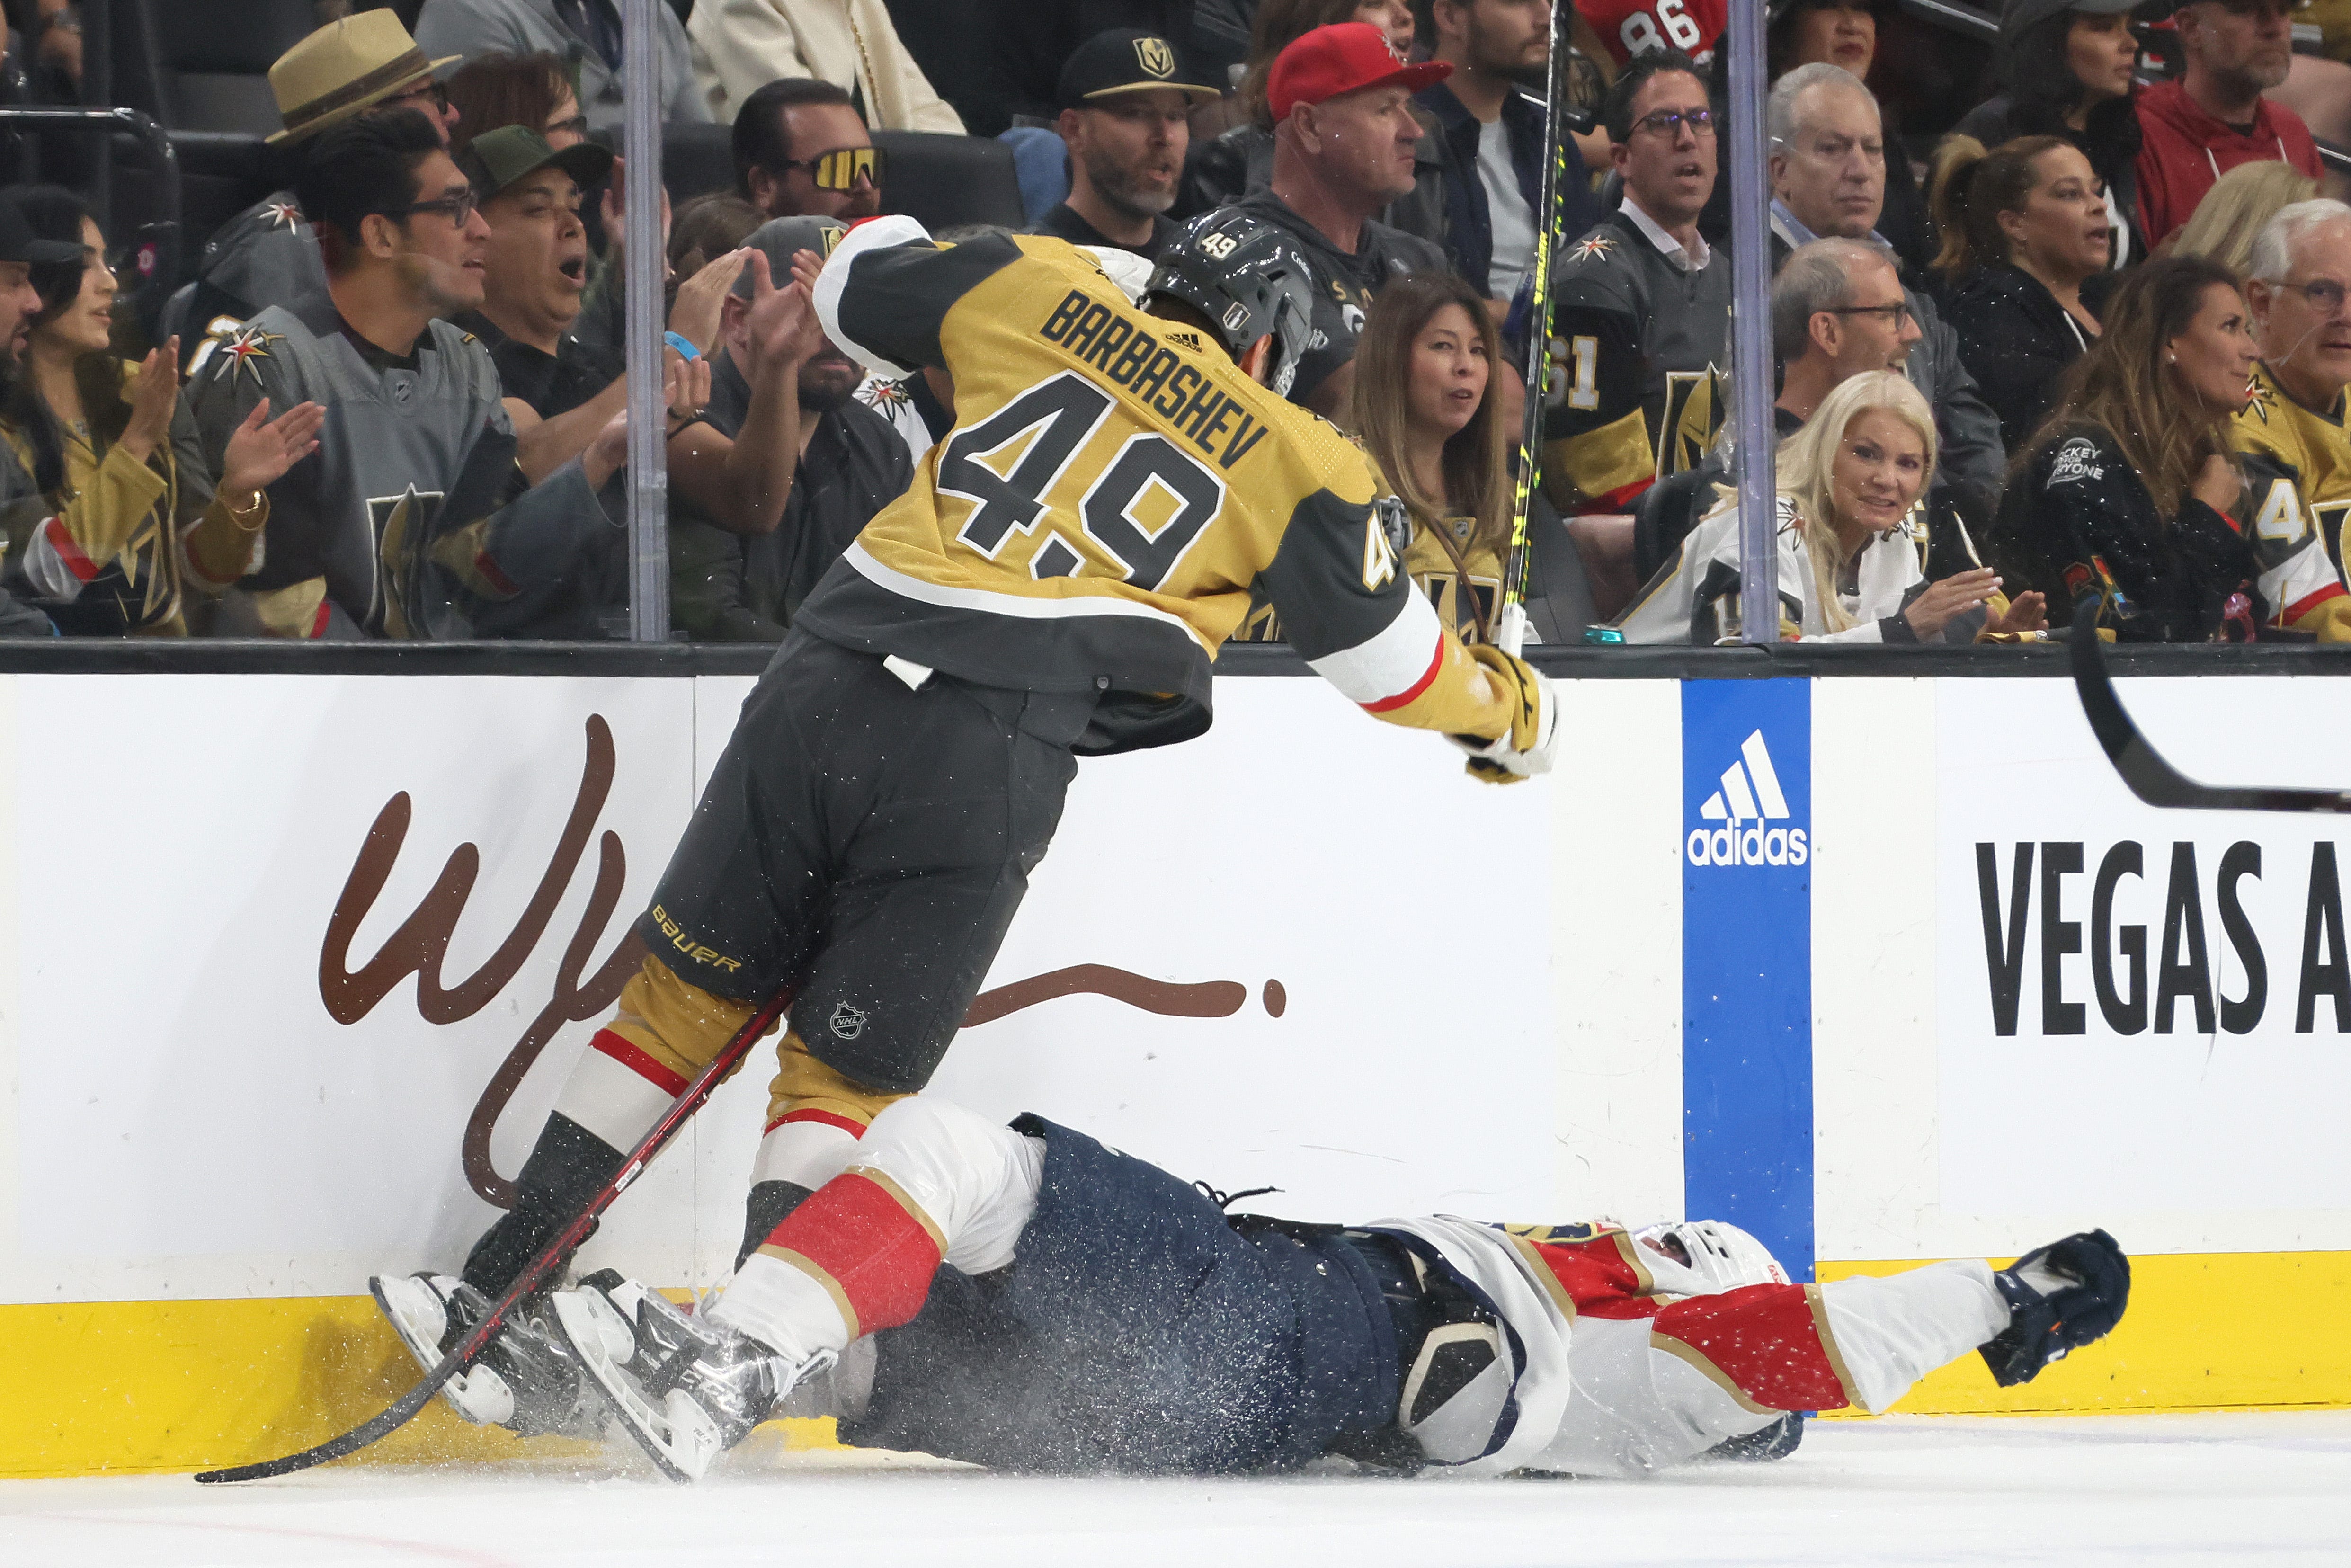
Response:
column 2268, row 1488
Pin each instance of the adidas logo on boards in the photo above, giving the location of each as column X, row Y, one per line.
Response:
column 1748, row 803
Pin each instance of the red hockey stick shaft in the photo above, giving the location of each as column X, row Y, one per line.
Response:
column 549, row 1260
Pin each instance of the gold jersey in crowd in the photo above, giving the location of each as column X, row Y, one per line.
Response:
column 2297, row 463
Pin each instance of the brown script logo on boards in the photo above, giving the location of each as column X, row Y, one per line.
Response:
column 420, row 946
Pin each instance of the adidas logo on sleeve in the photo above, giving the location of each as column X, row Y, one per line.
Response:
column 1753, row 816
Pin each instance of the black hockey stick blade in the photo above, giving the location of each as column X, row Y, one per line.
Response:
column 540, row 1268
column 2142, row 767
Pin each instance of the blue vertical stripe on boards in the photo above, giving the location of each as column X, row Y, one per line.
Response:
column 1747, row 960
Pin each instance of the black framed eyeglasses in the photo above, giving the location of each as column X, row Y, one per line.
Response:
column 1894, row 314
column 575, row 126
column 1669, row 123
column 839, row 170
column 460, row 210
column 430, row 90
column 2326, row 295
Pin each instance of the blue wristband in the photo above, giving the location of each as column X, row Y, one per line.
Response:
column 681, row 345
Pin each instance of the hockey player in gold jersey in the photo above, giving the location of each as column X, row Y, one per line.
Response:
column 2290, row 439
column 1054, row 585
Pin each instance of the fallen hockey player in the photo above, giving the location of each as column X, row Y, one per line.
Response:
column 1026, row 1298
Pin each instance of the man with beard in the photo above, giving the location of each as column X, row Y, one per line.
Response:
column 2290, row 439
column 20, row 251
column 412, row 520
column 801, row 151
column 1125, row 116
column 784, row 467
column 1491, row 129
column 2213, row 118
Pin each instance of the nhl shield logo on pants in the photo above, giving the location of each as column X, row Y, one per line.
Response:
column 847, row 1022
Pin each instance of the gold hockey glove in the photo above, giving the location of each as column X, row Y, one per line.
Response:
column 1528, row 746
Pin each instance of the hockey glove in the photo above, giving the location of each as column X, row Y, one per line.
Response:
column 1531, row 743
column 2060, row 1297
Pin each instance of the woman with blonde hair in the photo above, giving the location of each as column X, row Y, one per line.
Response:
column 2236, row 207
column 1851, row 547
column 2126, row 493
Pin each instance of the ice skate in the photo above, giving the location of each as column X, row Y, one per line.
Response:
column 526, row 1382
column 2066, row 1295
column 687, row 1389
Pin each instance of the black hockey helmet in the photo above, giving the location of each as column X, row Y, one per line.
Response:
column 1248, row 278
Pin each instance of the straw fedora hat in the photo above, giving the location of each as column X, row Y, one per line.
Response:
column 345, row 68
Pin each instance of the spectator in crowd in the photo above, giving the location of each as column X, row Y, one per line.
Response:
column 1126, row 98
column 1842, row 32
column 1611, row 32
column 776, row 478
column 2235, row 209
column 801, row 151
column 268, row 254
column 743, row 44
column 1850, row 561
column 584, row 33
column 2072, row 70
column 1430, row 407
column 1240, row 160
column 112, row 522
column 2213, row 118
column 708, row 228
column 1343, row 144
column 2290, row 438
column 409, row 520
column 1827, row 170
column 534, row 276
column 2024, row 228
column 1030, row 38
column 21, row 250
column 2125, row 496
column 1641, row 305
column 1838, row 310
column 492, row 90
column 1490, row 132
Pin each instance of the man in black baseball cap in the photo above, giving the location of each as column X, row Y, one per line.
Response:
column 1126, row 99
column 20, row 251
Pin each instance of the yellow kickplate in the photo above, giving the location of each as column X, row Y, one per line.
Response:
column 87, row 1387
column 2185, row 1343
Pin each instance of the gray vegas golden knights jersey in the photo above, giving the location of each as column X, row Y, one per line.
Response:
column 267, row 255
column 411, row 519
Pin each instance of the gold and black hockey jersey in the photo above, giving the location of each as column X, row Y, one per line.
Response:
column 2297, row 463
column 1635, row 389
column 1114, row 491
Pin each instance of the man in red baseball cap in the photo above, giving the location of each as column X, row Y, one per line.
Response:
column 1343, row 150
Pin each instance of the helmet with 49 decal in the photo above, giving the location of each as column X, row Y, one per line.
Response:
column 1248, row 280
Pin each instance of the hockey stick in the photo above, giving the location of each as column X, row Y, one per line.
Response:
column 540, row 1268
column 1510, row 619
column 2142, row 768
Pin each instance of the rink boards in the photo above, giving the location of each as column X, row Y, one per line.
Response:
column 1885, row 969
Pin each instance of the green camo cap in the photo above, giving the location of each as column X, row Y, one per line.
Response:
column 497, row 159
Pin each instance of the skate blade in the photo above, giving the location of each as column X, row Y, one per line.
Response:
column 677, row 1434
column 415, row 1312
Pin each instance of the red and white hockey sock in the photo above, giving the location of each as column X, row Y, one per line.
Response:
column 808, row 1146
column 618, row 1090
column 933, row 1182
